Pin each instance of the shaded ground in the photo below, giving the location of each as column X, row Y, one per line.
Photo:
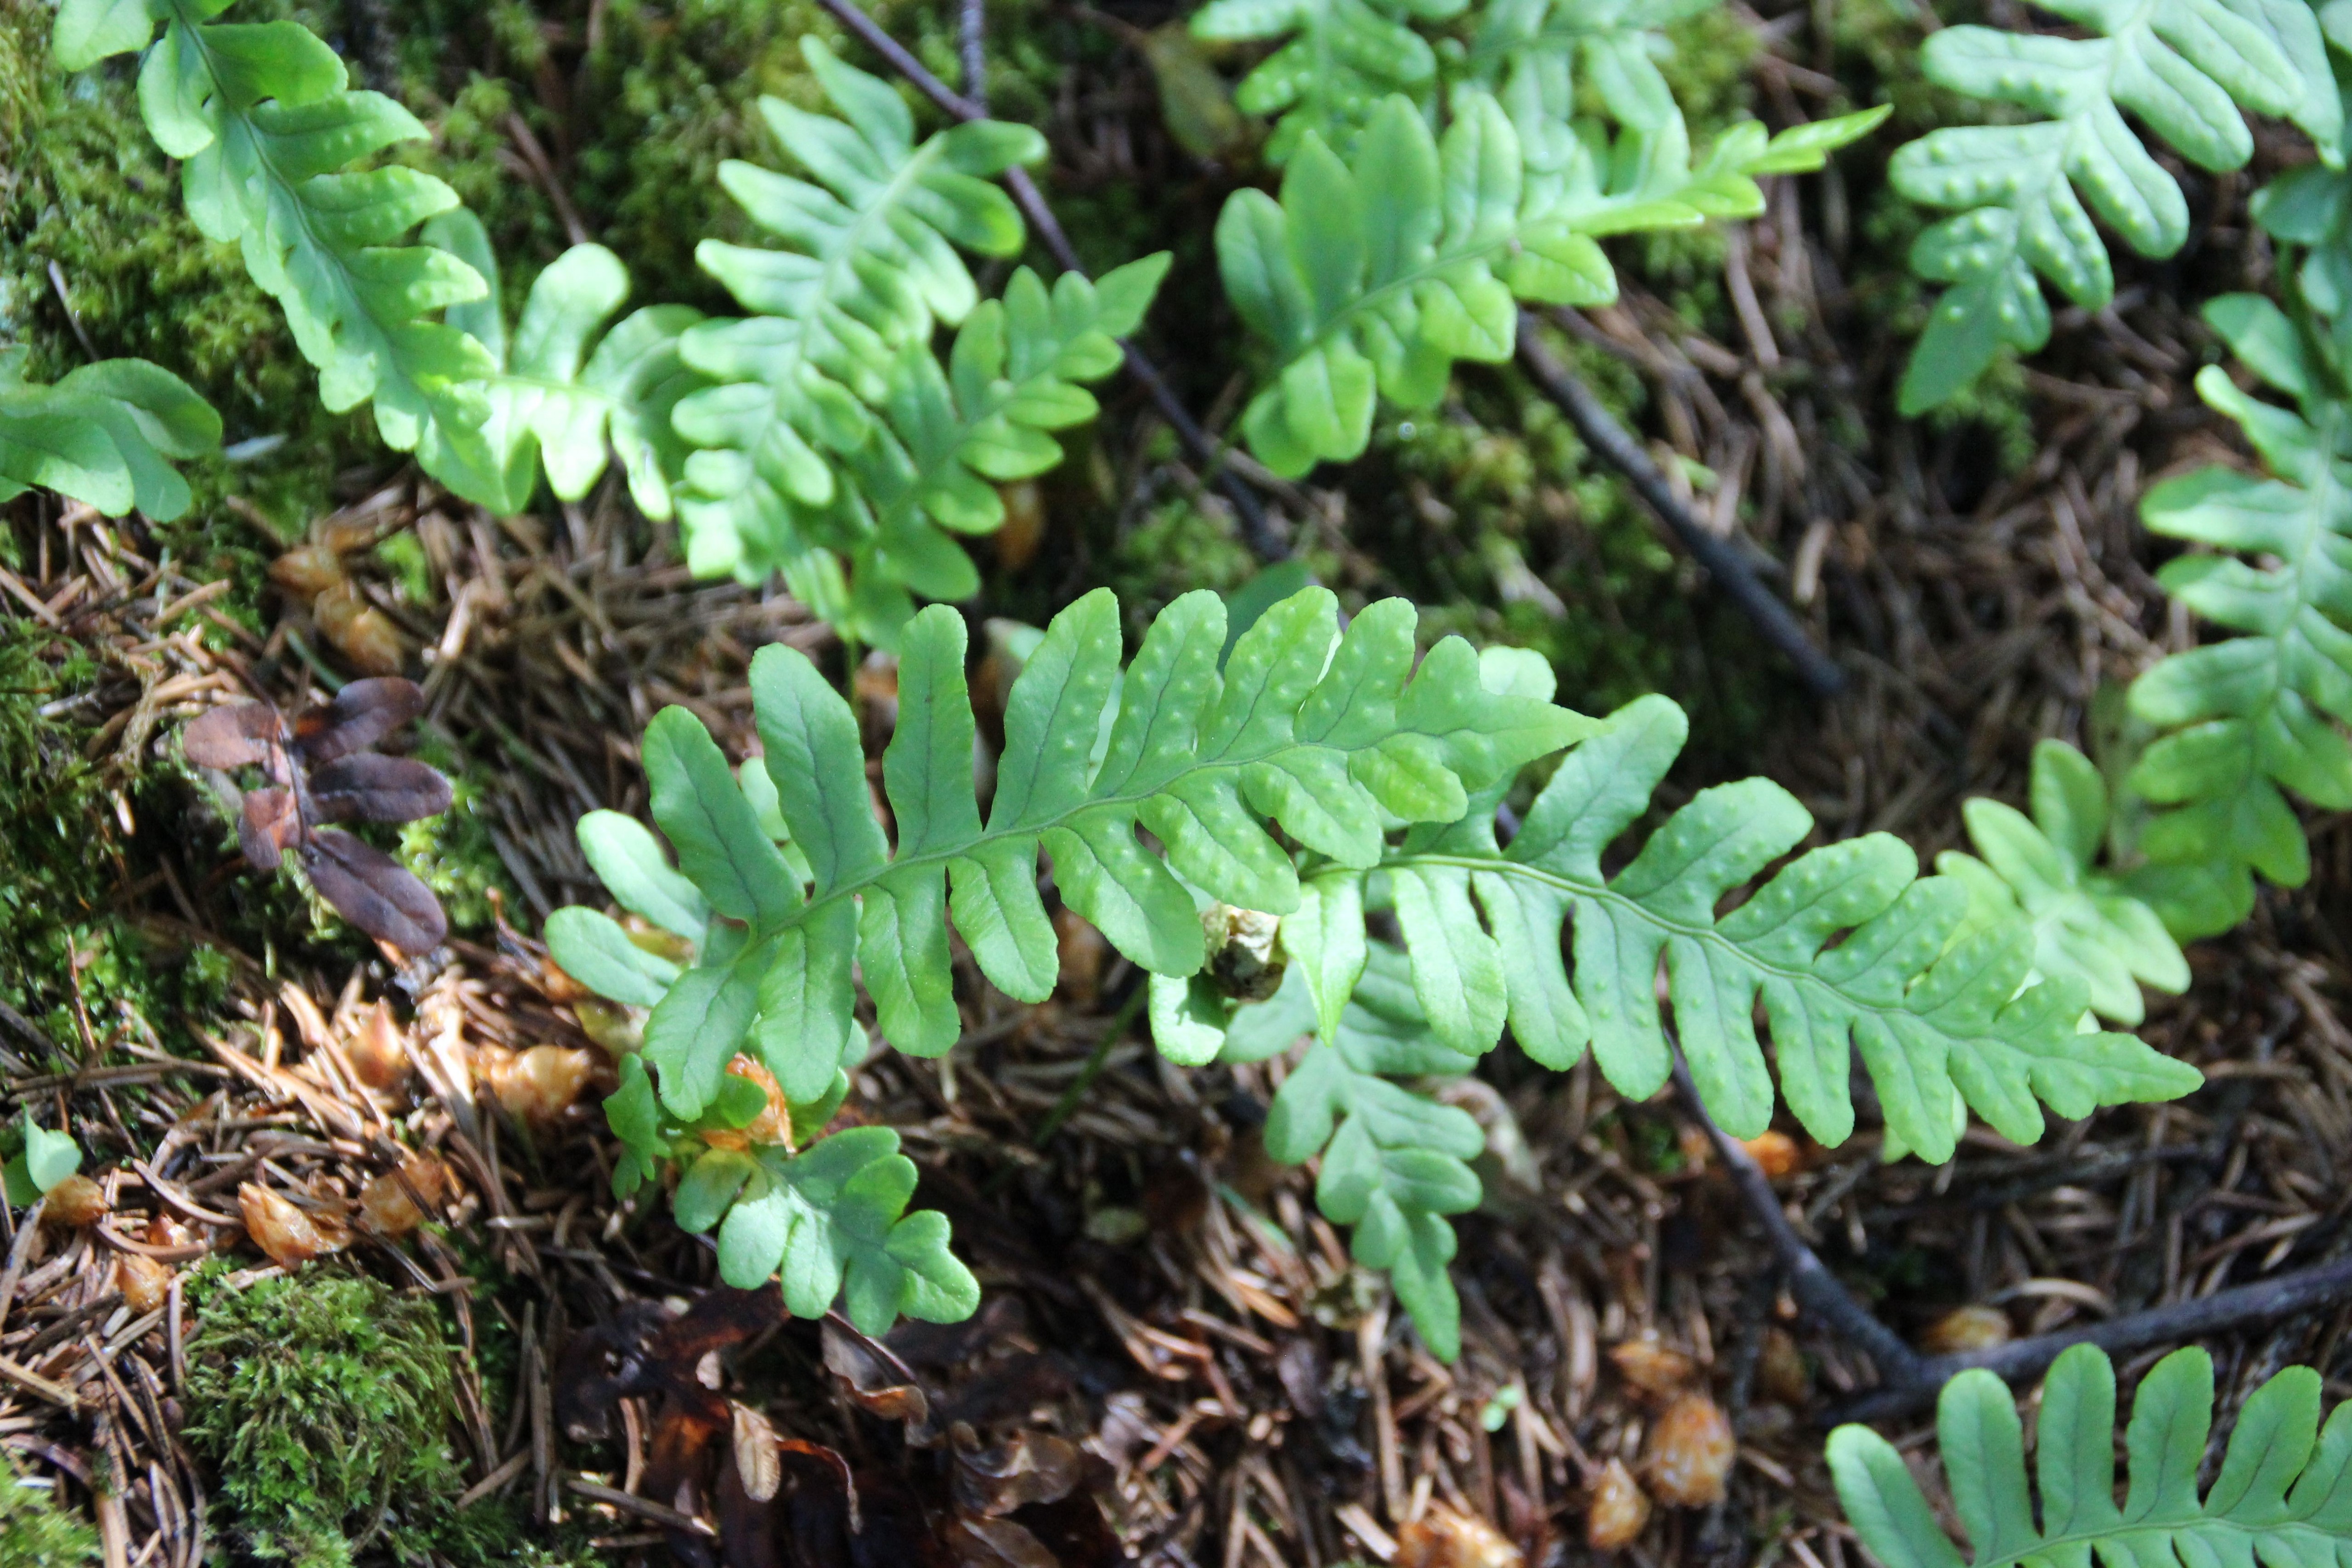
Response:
column 1162, row 1299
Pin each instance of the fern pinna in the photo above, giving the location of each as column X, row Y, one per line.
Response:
column 1384, row 774
column 105, row 435
column 2283, row 1494
column 2191, row 71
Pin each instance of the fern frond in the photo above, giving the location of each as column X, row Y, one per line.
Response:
column 1370, row 278
column 2283, row 1494
column 2189, row 69
column 2041, row 869
column 561, row 395
column 1201, row 758
column 1337, row 60
column 870, row 267
column 1937, row 1021
column 927, row 458
column 2245, row 720
column 1396, row 1163
column 105, row 435
column 1549, row 48
column 262, row 119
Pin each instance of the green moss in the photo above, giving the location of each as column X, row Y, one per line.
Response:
column 35, row 1533
column 321, row 1401
column 66, row 953
column 90, row 217
column 452, row 853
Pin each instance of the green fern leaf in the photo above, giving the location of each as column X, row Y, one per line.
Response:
column 1339, row 59
column 1201, row 757
column 870, row 267
column 1936, row 1024
column 1549, row 49
column 933, row 450
column 2085, row 923
column 105, row 435
column 2243, row 721
column 1371, row 278
column 2188, row 69
column 263, row 120
column 2283, row 1494
column 1395, row 1163
column 560, row 395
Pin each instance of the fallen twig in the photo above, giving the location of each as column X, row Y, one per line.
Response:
column 1265, row 541
column 1722, row 559
column 1911, row 1380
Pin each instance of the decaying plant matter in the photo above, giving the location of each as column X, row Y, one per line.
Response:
column 322, row 770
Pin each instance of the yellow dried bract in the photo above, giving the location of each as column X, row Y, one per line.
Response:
column 1651, row 1366
column 389, row 1201
column 145, row 1284
column 1619, row 1512
column 75, row 1202
column 289, row 1236
column 1966, row 1329
column 1690, row 1452
column 378, row 1054
column 1446, row 1538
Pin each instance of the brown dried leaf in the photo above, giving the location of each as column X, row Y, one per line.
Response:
column 1029, row 1466
column 371, row 787
column 233, row 737
column 1446, row 1538
column 873, row 1383
column 268, row 826
column 1025, row 524
column 362, row 713
column 757, row 1463
column 375, row 893
column 289, row 1236
column 1619, row 1512
column 1690, row 1452
column 996, row 1543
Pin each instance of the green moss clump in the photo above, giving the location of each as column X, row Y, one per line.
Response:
column 321, row 1401
column 66, row 956
column 35, row 1533
column 95, row 242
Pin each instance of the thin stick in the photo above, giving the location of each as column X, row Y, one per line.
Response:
column 1913, row 1381
column 1258, row 532
column 1731, row 570
column 2244, row 1306
column 971, row 39
column 1817, row 1290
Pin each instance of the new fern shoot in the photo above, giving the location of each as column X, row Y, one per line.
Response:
column 1382, row 775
